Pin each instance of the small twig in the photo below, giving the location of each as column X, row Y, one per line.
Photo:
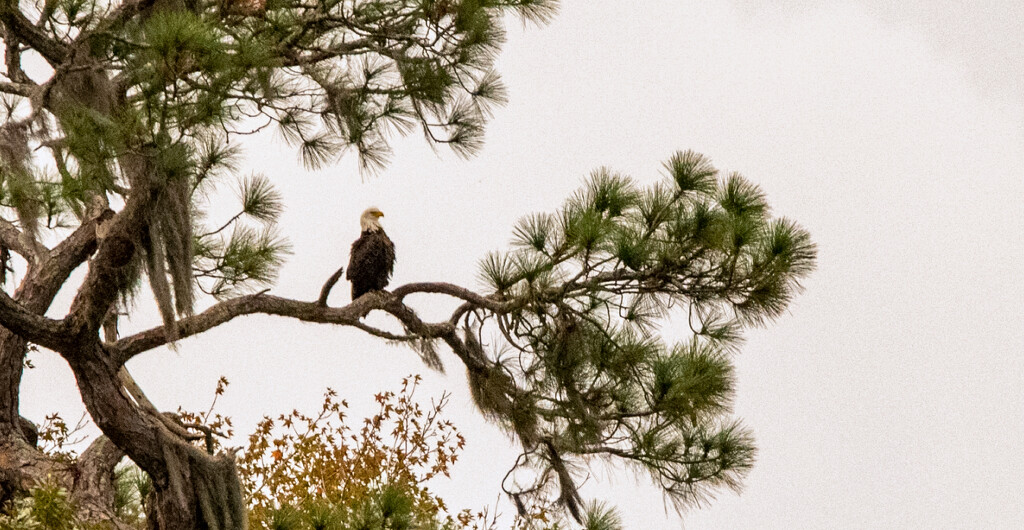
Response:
column 384, row 334
column 173, row 423
column 208, row 435
column 326, row 290
column 207, row 430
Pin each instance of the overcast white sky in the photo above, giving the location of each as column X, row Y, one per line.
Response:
column 890, row 396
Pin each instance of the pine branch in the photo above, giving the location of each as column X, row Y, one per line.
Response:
column 19, row 26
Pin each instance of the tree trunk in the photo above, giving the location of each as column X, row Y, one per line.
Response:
column 21, row 464
column 93, row 489
column 34, row 296
column 192, row 490
column 12, row 359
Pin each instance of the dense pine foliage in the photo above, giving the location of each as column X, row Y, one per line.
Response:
column 581, row 369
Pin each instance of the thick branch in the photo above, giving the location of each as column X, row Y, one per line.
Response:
column 16, row 23
column 42, row 285
column 18, row 89
column 349, row 315
column 449, row 289
column 51, row 272
column 35, row 328
column 10, row 236
column 99, row 290
column 73, row 250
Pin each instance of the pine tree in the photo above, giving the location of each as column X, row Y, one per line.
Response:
column 109, row 161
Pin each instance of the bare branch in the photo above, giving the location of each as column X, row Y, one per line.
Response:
column 16, row 23
column 449, row 289
column 328, row 285
column 348, row 315
column 18, row 89
column 35, row 328
column 10, row 237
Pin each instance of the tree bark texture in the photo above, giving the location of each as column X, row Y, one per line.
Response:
column 191, row 488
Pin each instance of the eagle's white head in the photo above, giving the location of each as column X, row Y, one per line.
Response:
column 370, row 220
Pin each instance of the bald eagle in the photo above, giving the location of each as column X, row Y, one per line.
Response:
column 373, row 256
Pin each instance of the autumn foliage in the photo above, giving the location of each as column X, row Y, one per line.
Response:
column 298, row 461
column 304, row 472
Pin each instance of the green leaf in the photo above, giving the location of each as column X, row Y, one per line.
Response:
column 320, row 515
column 631, row 248
column 285, row 518
column 707, row 226
column 426, row 79
column 294, row 125
column 250, row 257
column 536, row 11
column 490, row 91
column 214, row 155
column 600, row 516
column 585, row 228
column 655, row 206
column 788, row 249
column 695, row 379
column 466, row 124
column 530, row 266
column 179, row 40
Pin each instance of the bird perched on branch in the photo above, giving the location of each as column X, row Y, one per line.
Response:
column 373, row 256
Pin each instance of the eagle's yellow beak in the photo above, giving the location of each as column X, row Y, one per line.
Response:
column 379, row 213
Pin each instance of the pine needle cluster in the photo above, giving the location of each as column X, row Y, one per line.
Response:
column 583, row 373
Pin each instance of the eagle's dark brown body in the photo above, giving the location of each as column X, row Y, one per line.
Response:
column 371, row 262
